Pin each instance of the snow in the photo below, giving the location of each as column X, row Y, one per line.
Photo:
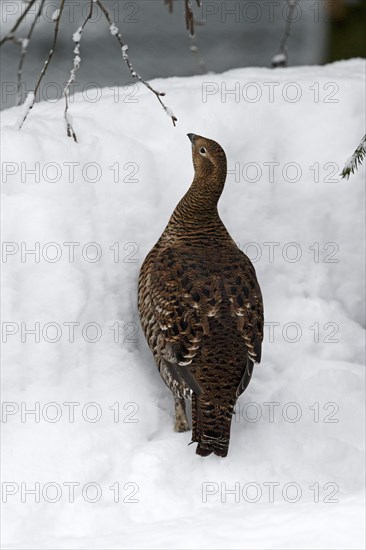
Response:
column 24, row 43
column 279, row 58
column 113, row 29
column 90, row 212
column 77, row 35
column 169, row 112
column 124, row 50
column 55, row 15
column 25, row 108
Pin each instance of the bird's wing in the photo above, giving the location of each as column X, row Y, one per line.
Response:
column 246, row 303
column 183, row 296
column 246, row 306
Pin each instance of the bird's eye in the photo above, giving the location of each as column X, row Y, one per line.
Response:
column 203, row 151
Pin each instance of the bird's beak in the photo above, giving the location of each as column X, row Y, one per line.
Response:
column 192, row 137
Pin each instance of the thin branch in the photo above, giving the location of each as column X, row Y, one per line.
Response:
column 169, row 3
column 188, row 13
column 57, row 16
column 189, row 16
column 194, row 49
column 24, row 44
column 124, row 48
column 280, row 59
column 76, row 38
column 10, row 35
column 355, row 161
column 190, row 25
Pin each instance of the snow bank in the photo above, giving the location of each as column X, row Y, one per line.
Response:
column 91, row 211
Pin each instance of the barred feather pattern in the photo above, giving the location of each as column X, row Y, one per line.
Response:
column 201, row 306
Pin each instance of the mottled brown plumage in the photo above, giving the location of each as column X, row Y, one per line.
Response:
column 201, row 307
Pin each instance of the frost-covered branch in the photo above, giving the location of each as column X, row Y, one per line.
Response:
column 56, row 17
column 355, row 161
column 280, row 58
column 114, row 30
column 24, row 42
column 10, row 35
column 124, row 49
column 77, row 59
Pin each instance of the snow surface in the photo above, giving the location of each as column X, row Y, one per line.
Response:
column 323, row 380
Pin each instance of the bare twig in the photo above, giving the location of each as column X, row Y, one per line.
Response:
column 124, row 48
column 24, row 44
column 188, row 13
column 169, row 3
column 189, row 16
column 280, row 59
column 57, row 16
column 10, row 35
column 76, row 38
column 190, row 24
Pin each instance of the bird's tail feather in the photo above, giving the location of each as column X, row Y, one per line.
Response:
column 211, row 426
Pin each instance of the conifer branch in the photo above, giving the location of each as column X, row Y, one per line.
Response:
column 355, row 161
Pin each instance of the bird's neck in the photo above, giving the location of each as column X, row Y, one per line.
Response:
column 197, row 210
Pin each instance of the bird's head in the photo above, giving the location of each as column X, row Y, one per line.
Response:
column 209, row 158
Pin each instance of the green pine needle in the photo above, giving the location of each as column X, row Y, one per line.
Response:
column 355, row 161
